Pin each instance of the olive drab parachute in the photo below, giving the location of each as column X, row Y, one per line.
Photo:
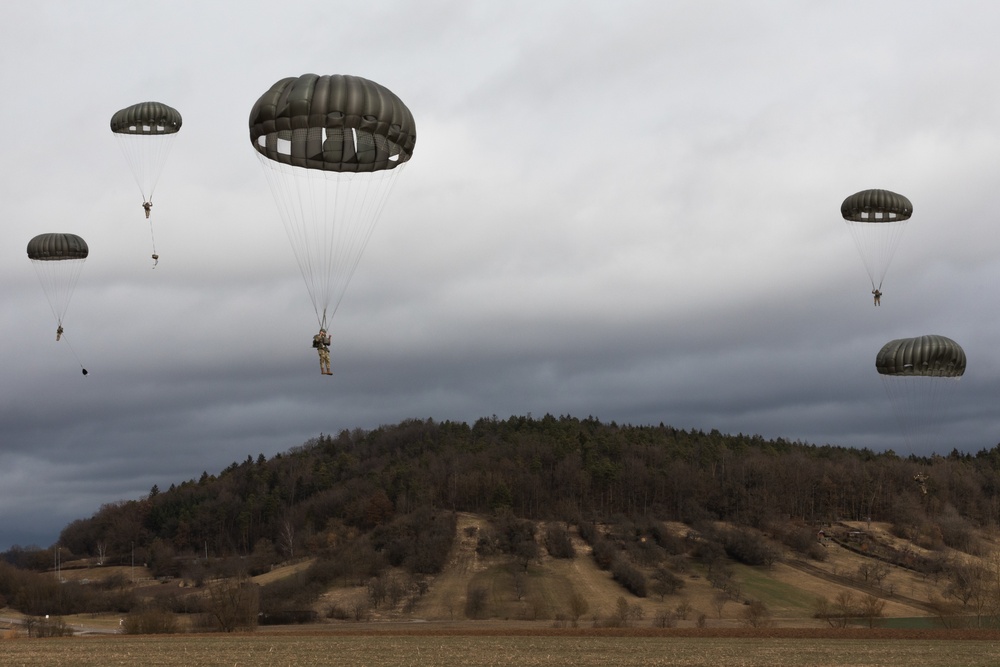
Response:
column 331, row 148
column 920, row 375
column 145, row 132
column 876, row 219
column 58, row 260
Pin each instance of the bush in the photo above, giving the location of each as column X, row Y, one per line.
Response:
column 47, row 627
column 289, row 617
column 337, row 613
column 605, row 553
column 630, row 577
column 957, row 533
column 749, row 547
column 672, row 544
column 558, row 542
column 475, row 602
column 756, row 615
column 419, row 541
column 664, row 618
column 799, row 538
column 588, row 532
column 665, row 582
column 150, row 622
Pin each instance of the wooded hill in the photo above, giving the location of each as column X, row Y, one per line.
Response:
column 549, row 468
column 361, row 503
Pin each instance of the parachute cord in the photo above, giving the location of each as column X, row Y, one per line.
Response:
column 156, row 257
column 71, row 349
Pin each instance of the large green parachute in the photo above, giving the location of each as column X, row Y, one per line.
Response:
column 876, row 219
column 331, row 148
column 925, row 356
column 57, row 247
column 58, row 260
column 333, row 123
column 920, row 375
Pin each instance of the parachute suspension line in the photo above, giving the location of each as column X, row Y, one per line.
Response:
column 58, row 279
column 369, row 207
column 876, row 243
column 329, row 218
column 290, row 197
column 75, row 355
column 152, row 238
column 146, row 155
column 919, row 404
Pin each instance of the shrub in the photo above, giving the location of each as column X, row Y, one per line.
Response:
column 337, row 613
column 475, row 602
column 558, row 542
column 630, row 577
column 605, row 553
column 664, row 618
column 756, row 615
column 150, row 621
column 665, row 583
column 749, row 547
column 588, row 532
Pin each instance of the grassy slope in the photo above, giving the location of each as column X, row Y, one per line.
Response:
column 790, row 592
column 790, row 588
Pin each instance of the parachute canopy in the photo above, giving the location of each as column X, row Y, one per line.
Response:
column 55, row 247
column 332, row 123
column 876, row 219
column 146, row 118
column 58, row 260
column 926, row 356
column 876, row 206
column 331, row 148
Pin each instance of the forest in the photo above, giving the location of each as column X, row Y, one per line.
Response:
column 365, row 500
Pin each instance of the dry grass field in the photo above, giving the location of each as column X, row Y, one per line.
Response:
column 548, row 648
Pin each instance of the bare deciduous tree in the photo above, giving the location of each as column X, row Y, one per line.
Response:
column 871, row 608
column 233, row 603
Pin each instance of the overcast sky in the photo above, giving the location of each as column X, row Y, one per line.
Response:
column 628, row 210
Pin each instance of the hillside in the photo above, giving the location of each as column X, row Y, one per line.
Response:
column 790, row 588
column 559, row 520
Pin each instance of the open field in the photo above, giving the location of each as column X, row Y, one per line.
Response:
column 429, row 647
